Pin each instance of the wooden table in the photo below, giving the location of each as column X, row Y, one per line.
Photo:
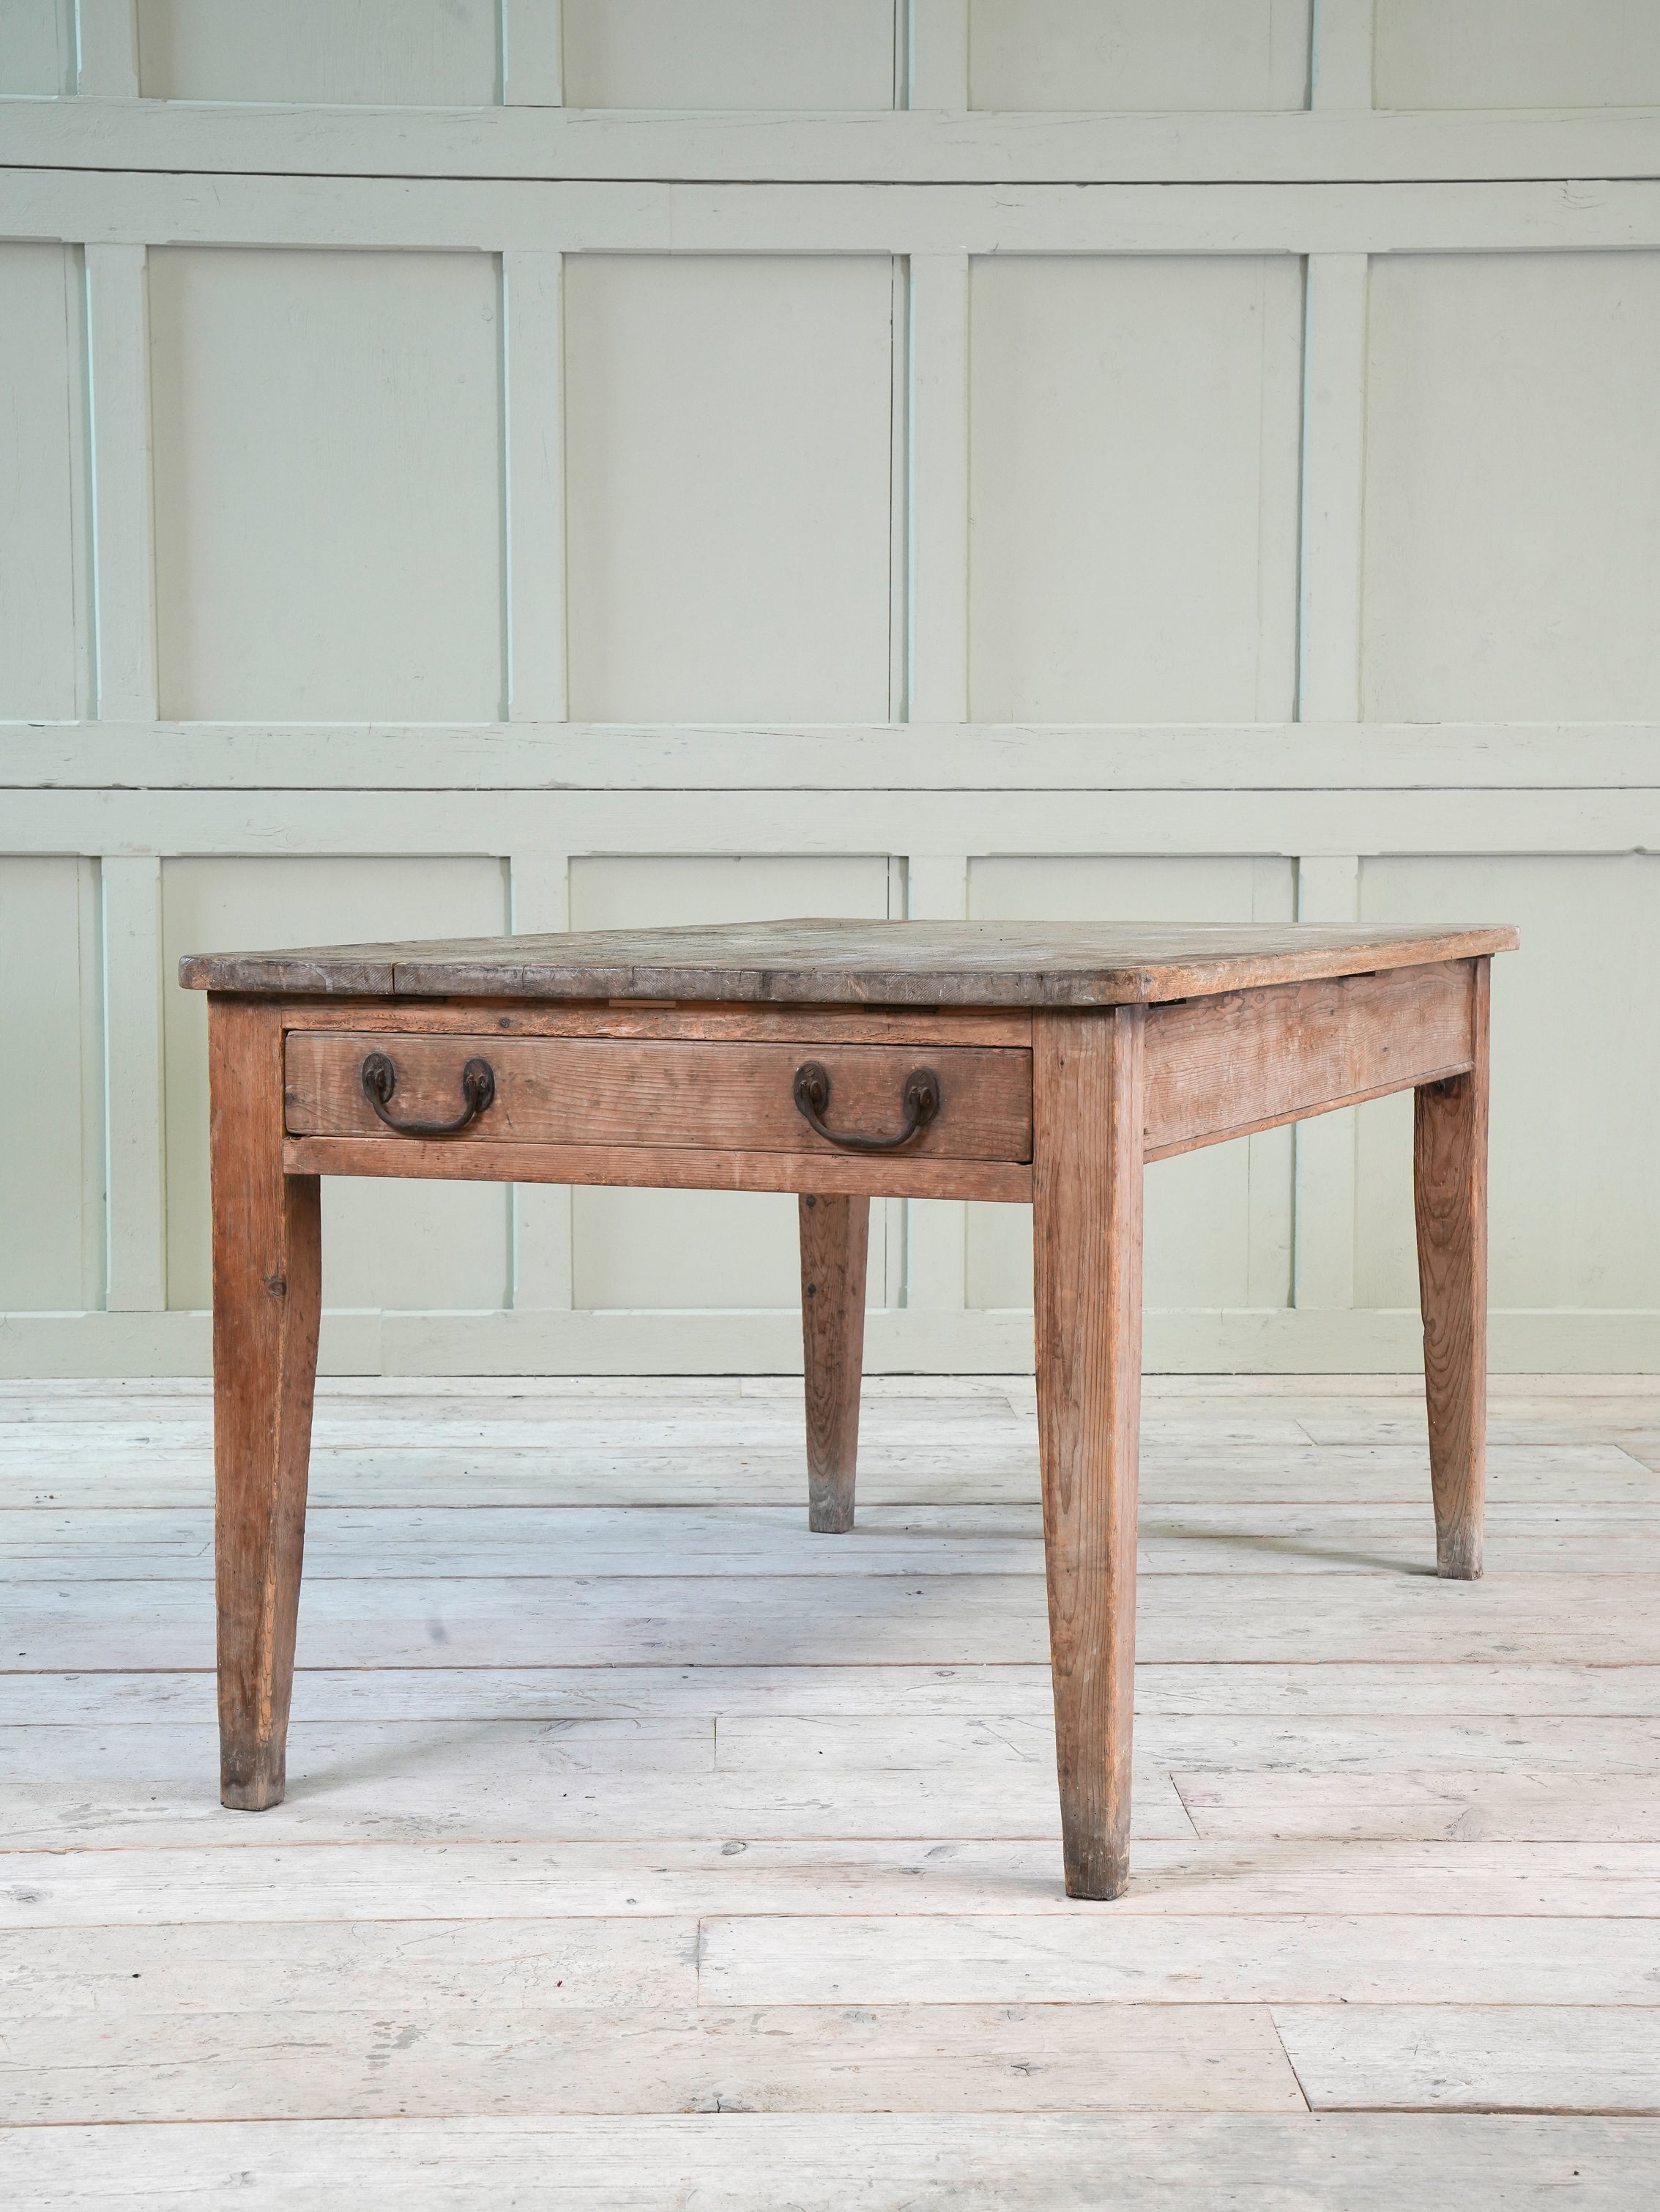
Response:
column 843, row 1061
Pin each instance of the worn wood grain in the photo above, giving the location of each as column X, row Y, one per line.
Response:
column 574, row 2014
column 1450, row 1185
column 1219, row 1067
column 459, row 1159
column 899, row 964
column 896, row 1469
column 165, row 1884
column 465, row 1541
column 886, row 2163
column 625, row 1779
column 996, row 1026
column 1587, row 1694
column 1517, row 1805
column 1106, row 1958
column 1395, row 1776
column 596, row 1092
column 207, row 1969
column 623, row 1782
column 780, row 1741
column 267, row 1292
column 1448, row 2057
column 1089, row 1109
column 812, row 1620
column 835, row 1234
column 782, row 1748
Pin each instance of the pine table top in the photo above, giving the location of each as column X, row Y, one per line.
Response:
column 836, row 962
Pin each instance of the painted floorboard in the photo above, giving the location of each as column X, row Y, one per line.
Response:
column 640, row 1850
column 1476, row 2057
column 743, row 2162
column 87, row 1885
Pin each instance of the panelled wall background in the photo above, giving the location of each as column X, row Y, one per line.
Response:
column 469, row 469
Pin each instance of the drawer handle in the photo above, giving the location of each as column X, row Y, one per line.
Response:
column 920, row 1098
column 478, row 1088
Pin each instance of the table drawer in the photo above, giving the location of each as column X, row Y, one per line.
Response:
column 621, row 1091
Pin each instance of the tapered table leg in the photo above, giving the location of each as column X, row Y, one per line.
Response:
column 835, row 1233
column 267, row 1283
column 1088, row 1111
column 1449, row 1179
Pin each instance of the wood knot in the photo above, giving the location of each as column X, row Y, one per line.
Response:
column 277, row 1285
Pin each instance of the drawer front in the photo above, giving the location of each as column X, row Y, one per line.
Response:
column 621, row 1091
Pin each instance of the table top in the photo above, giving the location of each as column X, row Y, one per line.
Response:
column 895, row 963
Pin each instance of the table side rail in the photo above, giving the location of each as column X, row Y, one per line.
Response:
column 1224, row 1067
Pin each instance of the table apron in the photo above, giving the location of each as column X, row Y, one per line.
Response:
column 659, row 1168
column 1224, row 1067
column 1216, row 1068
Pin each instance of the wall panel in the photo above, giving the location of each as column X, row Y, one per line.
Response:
column 51, row 1129
column 1512, row 488
column 388, row 1245
column 418, row 53
column 1120, row 55
column 327, row 440
column 777, row 54
column 1133, row 467
column 40, row 462
column 729, row 456
column 37, row 48
column 1517, row 53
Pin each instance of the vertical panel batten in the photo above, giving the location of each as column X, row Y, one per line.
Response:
column 78, row 350
column 123, row 533
column 1342, row 34
column 106, row 49
column 135, row 1139
column 94, row 1159
column 937, row 73
column 539, row 900
column 938, row 488
column 1334, row 480
column 532, row 35
column 534, row 417
column 899, row 500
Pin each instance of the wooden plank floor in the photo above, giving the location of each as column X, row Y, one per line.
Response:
column 641, row 1849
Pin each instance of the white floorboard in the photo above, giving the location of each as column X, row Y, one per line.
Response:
column 642, row 1850
column 849, row 2162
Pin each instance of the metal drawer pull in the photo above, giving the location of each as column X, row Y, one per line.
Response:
column 920, row 1098
column 478, row 1088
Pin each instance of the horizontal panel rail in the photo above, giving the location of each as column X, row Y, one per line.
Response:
column 135, row 207
column 534, row 143
column 1172, row 821
column 1313, row 755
